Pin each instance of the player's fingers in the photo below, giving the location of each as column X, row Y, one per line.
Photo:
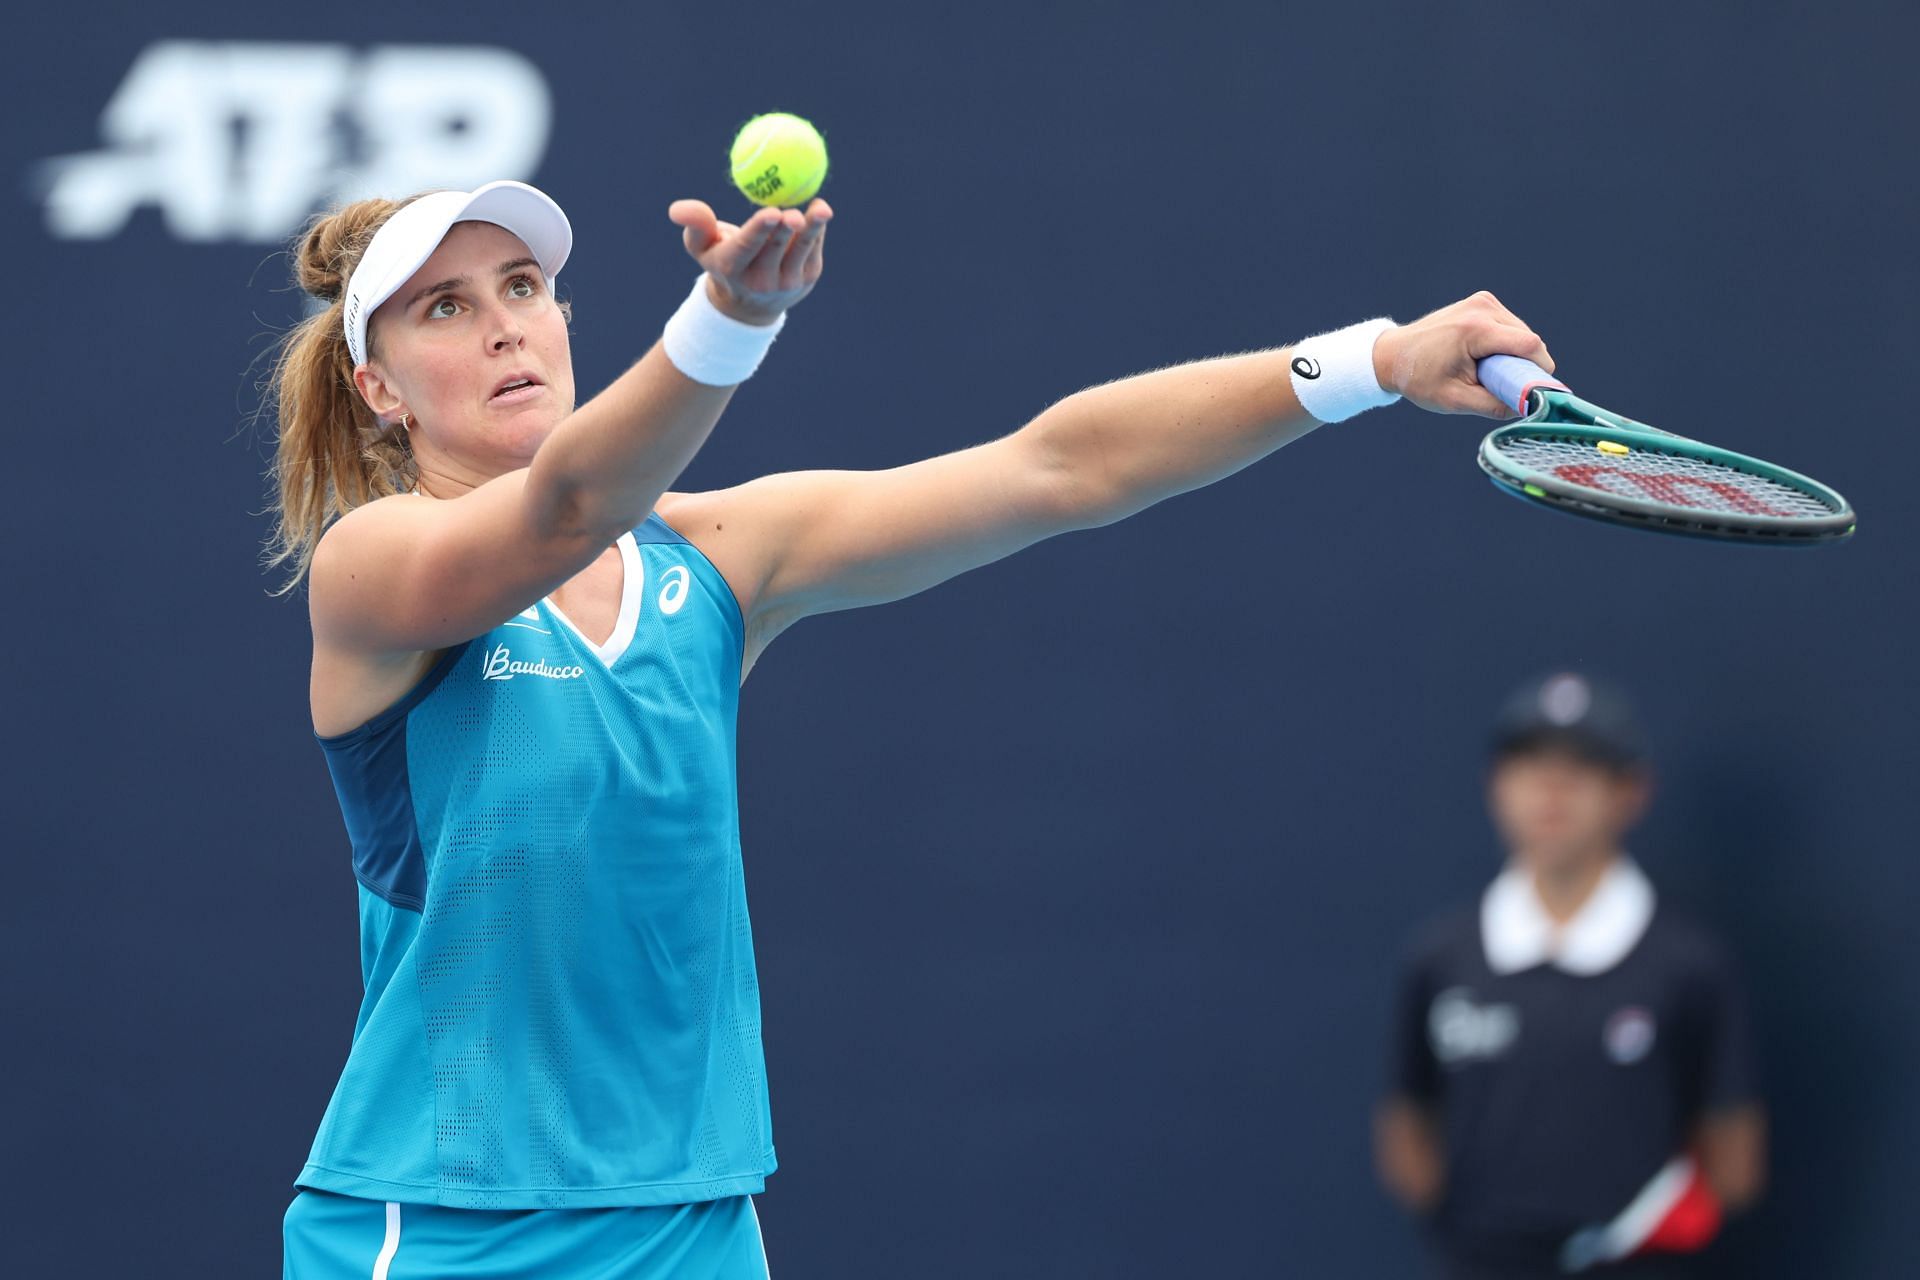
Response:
column 819, row 214
column 796, row 225
column 1485, row 300
column 1478, row 400
column 766, row 262
column 687, row 211
column 701, row 227
column 1502, row 315
column 1535, row 349
column 801, row 250
column 1510, row 340
column 733, row 255
column 816, row 254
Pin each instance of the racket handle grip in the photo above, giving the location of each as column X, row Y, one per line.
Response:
column 1512, row 379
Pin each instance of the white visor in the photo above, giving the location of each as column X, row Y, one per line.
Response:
column 410, row 236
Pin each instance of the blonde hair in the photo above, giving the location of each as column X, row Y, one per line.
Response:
column 333, row 454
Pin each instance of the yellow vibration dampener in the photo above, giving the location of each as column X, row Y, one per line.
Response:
column 1613, row 447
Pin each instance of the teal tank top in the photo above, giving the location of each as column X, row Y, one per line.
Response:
column 561, row 1009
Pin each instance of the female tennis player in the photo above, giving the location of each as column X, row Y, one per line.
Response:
column 527, row 653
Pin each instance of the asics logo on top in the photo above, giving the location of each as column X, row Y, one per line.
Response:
column 673, row 590
column 498, row 663
column 236, row 140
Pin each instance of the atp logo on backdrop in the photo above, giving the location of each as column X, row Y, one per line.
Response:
column 241, row 141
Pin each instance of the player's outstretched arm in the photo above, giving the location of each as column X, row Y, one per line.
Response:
column 812, row 542
column 401, row 576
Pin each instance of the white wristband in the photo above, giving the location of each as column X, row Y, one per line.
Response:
column 714, row 348
column 1333, row 374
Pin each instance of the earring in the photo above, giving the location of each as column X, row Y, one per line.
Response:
column 406, row 424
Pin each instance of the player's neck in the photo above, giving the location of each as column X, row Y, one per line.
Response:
column 1564, row 889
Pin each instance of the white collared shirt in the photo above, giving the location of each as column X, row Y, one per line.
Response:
column 1518, row 934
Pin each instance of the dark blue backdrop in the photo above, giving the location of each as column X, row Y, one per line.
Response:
column 1078, row 882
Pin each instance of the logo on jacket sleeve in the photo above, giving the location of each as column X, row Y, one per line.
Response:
column 1463, row 1030
column 498, row 663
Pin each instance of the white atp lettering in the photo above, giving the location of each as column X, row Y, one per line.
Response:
column 240, row 141
column 448, row 117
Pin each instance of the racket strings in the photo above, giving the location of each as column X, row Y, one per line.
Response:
column 1671, row 478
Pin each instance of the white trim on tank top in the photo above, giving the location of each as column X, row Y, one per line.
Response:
column 765, row 1269
column 631, row 572
column 391, row 1245
column 631, row 587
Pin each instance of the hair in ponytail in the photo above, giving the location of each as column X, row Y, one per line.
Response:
column 333, row 454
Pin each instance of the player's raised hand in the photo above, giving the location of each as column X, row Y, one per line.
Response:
column 761, row 268
column 1431, row 361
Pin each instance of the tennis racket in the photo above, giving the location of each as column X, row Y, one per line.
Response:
column 1576, row 457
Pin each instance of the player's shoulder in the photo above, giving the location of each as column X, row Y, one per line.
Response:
column 356, row 525
column 702, row 518
column 725, row 527
column 1682, row 941
column 359, row 535
column 678, row 508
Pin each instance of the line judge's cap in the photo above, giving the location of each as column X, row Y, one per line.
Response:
column 1570, row 711
column 409, row 237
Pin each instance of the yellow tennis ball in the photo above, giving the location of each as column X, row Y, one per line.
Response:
column 779, row 159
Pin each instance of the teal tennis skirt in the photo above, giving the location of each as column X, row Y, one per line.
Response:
column 334, row 1237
